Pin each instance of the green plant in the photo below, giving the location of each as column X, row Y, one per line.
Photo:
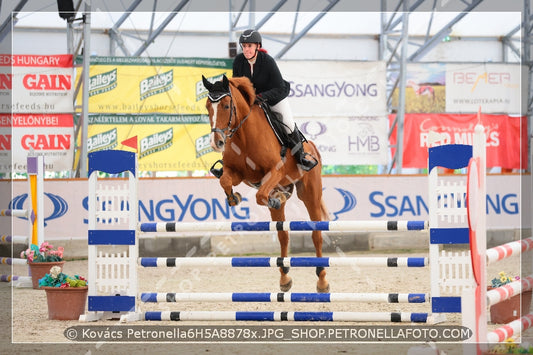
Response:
column 56, row 278
column 510, row 347
column 503, row 279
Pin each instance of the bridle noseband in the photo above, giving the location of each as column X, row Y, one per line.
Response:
column 216, row 97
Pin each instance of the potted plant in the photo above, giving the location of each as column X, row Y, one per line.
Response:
column 510, row 347
column 66, row 296
column 510, row 309
column 41, row 259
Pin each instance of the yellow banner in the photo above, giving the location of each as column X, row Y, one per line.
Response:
column 165, row 142
column 151, row 85
column 159, row 100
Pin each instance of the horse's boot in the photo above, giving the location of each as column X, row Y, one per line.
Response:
column 217, row 172
column 297, row 150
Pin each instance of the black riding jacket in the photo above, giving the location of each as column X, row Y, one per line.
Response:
column 267, row 79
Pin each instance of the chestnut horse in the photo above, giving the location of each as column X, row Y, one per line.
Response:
column 251, row 154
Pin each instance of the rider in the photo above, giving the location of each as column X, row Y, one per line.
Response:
column 270, row 88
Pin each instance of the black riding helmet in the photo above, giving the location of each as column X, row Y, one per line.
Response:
column 251, row 36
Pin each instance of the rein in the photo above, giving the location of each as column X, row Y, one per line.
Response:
column 232, row 131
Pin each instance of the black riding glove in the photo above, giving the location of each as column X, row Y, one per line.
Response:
column 259, row 99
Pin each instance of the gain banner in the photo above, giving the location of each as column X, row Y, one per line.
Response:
column 39, row 83
column 50, row 135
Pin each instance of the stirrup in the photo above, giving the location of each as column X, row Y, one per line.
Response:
column 217, row 172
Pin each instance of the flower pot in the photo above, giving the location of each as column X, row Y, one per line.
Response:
column 38, row 270
column 66, row 303
column 509, row 310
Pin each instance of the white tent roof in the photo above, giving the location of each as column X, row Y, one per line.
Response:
column 475, row 23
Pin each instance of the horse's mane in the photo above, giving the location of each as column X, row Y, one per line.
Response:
column 245, row 87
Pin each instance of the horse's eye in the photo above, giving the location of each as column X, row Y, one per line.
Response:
column 226, row 107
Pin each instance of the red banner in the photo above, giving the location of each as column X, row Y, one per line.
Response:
column 506, row 137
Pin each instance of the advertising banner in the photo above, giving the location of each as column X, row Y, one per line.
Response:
column 39, row 83
column 348, row 140
column 329, row 89
column 425, row 89
column 50, row 135
column 493, row 87
column 166, row 142
column 506, row 137
column 202, row 199
column 462, row 88
column 139, row 85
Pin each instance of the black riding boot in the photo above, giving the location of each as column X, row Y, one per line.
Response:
column 296, row 146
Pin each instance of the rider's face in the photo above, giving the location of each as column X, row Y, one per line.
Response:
column 248, row 49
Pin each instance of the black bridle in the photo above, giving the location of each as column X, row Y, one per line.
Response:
column 216, row 97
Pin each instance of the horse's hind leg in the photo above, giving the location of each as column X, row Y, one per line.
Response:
column 285, row 281
column 322, row 285
column 310, row 192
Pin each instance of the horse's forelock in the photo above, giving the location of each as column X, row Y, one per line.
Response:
column 245, row 87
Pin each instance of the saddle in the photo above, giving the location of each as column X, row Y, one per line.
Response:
column 285, row 139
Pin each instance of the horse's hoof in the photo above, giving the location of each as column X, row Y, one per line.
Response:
column 322, row 290
column 286, row 287
column 274, row 203
column 234, row 199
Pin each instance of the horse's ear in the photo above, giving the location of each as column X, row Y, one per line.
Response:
column 207, row 84
column 225, row 82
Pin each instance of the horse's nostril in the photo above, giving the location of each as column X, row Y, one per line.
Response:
column 220, row 144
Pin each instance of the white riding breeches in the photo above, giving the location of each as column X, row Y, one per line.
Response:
column 284, row 109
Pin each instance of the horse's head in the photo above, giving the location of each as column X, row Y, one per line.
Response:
column 221, row 111
column 228, row 109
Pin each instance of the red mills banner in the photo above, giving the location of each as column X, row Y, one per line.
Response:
column 506, row 137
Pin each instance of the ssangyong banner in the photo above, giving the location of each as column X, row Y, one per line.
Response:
column 199, row 200
column 165, row 142
column 348, row 140
column 331, row 88
column 49, row 135
column 506, row 137
column 39, row 83
column 493, row 87
column 141, row 85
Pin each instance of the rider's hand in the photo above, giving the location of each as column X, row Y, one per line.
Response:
column 259, row 99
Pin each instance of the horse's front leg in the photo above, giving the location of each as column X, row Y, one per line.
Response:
column 285, row 281
column 264, row 194
column 227, row 181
